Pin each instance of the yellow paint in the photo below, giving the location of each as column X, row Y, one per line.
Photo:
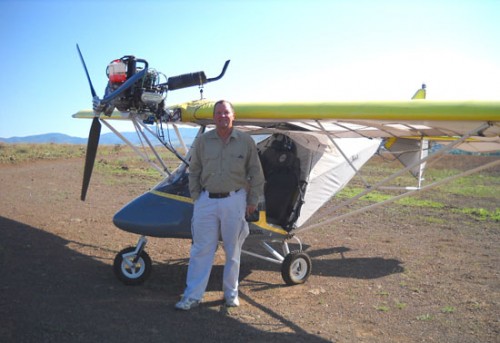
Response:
column 389, row 142
column 431, row 138
column 397, row 111
column 173, row 196
column 89, row 114
column 262, row 223
column 420, row 94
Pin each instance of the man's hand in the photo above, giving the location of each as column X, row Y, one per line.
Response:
column 251, row 209
column 251, row 213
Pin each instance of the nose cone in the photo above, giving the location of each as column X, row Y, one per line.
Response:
column 156, row 214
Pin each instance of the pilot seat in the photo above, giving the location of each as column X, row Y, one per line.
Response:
column 283, row 190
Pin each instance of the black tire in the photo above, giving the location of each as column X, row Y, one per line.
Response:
column 296, row 268
column 135, row 275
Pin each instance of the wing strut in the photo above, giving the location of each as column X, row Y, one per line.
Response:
column 379, row 185
column 395, row 198
column 163, row 171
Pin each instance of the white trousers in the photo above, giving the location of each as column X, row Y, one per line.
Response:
column 214, row 218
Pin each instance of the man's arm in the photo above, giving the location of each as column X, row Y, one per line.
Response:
column 195, row 171
column 255, row 176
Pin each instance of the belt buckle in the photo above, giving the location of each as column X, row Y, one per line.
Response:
column 222, row 195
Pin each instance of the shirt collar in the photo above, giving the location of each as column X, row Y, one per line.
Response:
column 213, row 134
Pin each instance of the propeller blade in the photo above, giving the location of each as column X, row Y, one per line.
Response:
column 93, row 142
column 94, row 94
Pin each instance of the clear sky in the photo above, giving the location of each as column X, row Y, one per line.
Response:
column 279, row 50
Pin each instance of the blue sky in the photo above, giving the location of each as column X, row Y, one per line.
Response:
column 279, row 51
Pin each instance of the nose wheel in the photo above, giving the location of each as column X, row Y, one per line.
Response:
column 132, row 265
column 296, row 268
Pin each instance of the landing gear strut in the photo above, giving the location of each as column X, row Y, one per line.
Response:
column 296, row 266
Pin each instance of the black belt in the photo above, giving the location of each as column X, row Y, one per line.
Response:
column 220, row 195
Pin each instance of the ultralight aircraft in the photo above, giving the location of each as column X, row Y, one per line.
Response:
column 308, row 151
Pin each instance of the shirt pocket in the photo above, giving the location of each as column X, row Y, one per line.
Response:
column 211, row 161
column 210, row 154
column 237, row 163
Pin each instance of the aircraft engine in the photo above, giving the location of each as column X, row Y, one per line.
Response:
column 135, row 89
column 147, row 94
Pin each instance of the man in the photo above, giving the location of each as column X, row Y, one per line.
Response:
column 225, row 181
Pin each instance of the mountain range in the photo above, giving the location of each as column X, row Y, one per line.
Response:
column 110, row 138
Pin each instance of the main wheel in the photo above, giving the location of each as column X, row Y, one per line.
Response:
column 130, row 272
column 296, row 268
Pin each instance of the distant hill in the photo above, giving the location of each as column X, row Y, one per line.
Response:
column 188, row 135
column 57, row 138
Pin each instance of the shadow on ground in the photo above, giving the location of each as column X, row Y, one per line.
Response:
column 332, row 262
column 50, row 293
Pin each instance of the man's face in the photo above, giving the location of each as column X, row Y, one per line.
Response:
column 223, row 116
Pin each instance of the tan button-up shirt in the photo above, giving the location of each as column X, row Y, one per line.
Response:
column 220, row 168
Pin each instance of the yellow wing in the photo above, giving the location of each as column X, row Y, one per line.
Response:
column 477, row 121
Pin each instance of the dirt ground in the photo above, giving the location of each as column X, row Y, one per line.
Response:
column 397, row 274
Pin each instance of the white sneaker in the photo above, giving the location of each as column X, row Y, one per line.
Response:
column 232, row 302
column 187, row 303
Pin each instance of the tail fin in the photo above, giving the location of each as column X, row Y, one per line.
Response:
column 420, row 94
column 409, row 151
